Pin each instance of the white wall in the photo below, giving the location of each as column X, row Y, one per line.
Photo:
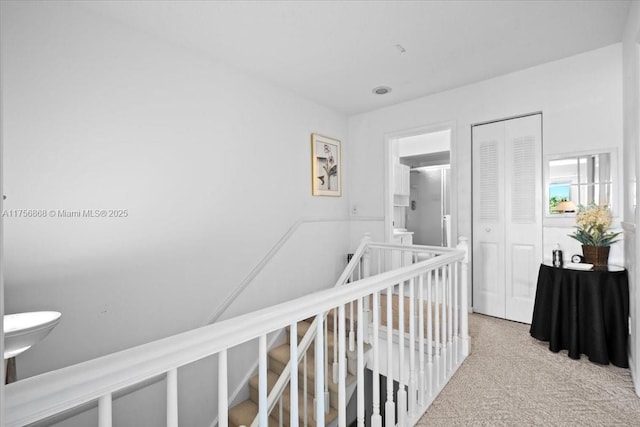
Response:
column 432, row 142
column 211, row 165
column 580, row 98
column 2, row 365
column 631, row 90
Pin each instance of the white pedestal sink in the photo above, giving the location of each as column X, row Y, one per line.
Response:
column 22, row 330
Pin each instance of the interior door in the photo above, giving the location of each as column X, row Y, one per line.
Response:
column 507, row 216
column 488, row 219
column 424, row 215
column 523, row 214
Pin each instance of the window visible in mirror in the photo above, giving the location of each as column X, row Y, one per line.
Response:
column 579, row 180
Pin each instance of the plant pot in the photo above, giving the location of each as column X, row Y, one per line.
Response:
column 596, row 255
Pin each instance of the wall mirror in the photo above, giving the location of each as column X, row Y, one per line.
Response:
column 579, row 179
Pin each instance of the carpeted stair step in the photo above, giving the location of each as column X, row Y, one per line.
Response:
column 279, row 356
column 329, row 416
column 395, row 314
column 304, row 326
column 279, row 359
column 286, row 405
column 244, row 413
column 330, row 319
column 272, row 377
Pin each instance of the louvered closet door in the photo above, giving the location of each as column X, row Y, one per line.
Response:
column 488, row 224
column 523, row 202
column 507, row 216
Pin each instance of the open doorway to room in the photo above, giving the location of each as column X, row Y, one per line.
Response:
column 429, row 213
column 420, row 202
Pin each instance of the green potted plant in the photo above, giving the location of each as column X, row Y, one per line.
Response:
column 593, row 223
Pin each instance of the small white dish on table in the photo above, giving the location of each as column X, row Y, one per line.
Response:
column 578, row 266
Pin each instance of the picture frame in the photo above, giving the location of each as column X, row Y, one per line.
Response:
column 326, row 166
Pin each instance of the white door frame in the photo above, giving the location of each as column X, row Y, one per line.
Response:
column 388, row 187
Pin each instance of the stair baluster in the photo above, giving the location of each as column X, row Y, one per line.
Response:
column 305, row 391
column 421, row 331
column 430, row 326
column 352, row 337
column 389, row 407
column 412, row 355
column 443, row 325
column 456, row 323
column 318, row 413
column 448, row 276
column 223, row 390
column 436, row 344
column 376, row 418
column 263, row 414
column 360, row 376
column 172, row 398
column 105, row 411
column 402, row 394
column 293, row 381
column 336, row 374
column 342, row 369
column 324, row 369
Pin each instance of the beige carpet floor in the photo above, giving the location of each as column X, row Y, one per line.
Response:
column 512, row 379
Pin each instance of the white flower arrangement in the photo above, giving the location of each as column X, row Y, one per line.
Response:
column 593, row 222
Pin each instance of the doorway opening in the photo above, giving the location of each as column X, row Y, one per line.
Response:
column 420, row 186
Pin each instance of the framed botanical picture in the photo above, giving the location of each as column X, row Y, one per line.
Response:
column 326, row 166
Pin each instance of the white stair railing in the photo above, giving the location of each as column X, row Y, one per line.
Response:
column 301, row 350
column 359, row 267
column 441, row 279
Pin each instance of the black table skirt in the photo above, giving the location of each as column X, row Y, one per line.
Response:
column 584, row 312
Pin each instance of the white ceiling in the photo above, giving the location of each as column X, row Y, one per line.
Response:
column 336, row 52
